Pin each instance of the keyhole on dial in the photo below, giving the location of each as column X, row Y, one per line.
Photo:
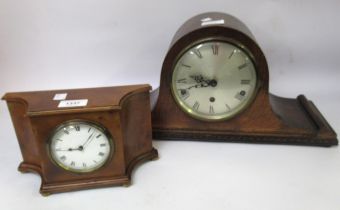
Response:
column 242, row 93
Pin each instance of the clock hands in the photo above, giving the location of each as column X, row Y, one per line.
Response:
column 69, row 149
column 197, row 86
column 202, row 82
column 197, row 78
column 81, row 147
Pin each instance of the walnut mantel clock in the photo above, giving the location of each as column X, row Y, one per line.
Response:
column 82, row 138
column 214, row 86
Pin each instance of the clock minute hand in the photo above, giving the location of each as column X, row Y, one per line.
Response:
column 88, row 140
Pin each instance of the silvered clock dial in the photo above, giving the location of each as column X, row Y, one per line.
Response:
column 214, row 80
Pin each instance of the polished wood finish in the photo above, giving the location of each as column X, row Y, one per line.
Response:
column 269, row 119
column 124, row 111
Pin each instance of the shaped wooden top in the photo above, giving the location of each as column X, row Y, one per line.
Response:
column 89, row 99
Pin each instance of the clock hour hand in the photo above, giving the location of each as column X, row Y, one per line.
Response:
column 197, row 86
column 67, row 150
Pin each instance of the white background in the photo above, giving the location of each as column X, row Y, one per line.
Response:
column 48, row 44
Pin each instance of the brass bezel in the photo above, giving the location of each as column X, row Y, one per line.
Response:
column 87, row 122
column 237, row 44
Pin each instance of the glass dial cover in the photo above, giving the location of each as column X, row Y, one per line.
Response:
column 214, row 80
column 80, row 146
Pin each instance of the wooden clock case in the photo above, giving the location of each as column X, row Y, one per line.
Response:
column 269, row 119
column 124, row 111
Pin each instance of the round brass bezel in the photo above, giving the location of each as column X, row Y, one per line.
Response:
column 222, row 117
column 86, row 122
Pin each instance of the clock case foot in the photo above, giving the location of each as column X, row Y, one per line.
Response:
column 51, row 188
column 302, row 124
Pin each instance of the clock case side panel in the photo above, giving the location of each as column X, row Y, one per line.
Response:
column 18, row 111
column 259, row 123
column 137, row 133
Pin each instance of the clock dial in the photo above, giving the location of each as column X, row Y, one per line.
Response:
column 80, row 146
column 214, row 80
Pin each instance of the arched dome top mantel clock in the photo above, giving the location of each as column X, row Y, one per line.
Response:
column 214, row 86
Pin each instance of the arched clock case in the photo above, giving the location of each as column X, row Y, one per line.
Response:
column 186, row 111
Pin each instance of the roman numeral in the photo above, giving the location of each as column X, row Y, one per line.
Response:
column 211, row 110
column 198, row 53
column 66, row 131
column 63, row 158
column 84, row 165
column 228, row 107
column 103, row 145
column 214, row 49
column 101, row 154
column 98, row 136
column 187, row 66
column 231, row 54
column 77, row 127
column 184, row 81
column 73, row 163
column 89, row 130
column 242, row 66
column 196, row 105
column 245, row 82
column 59, row 140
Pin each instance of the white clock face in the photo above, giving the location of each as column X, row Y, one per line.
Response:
column 80, row 146
column 214, row 80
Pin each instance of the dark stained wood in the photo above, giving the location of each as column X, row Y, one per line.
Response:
column 269, row 119
column 124, row 111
